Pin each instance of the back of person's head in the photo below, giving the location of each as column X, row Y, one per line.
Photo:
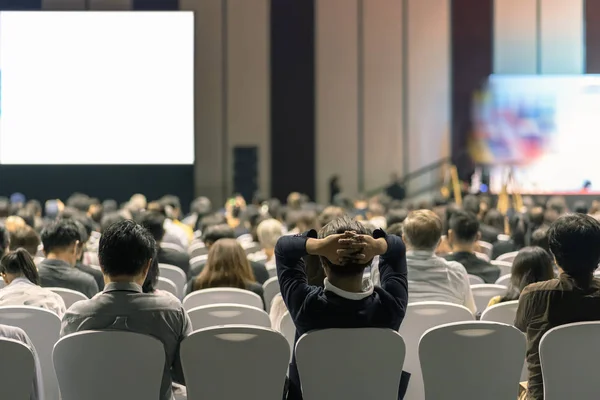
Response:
column 269, row 231
column 110, row 205
column 201, row 206
column 19, row 263
column 573, row 240
column 273, row 208
column 217, row 232
column 151, row 280
column 79, row 201
column 294, row 201
column 59, row 236
column 519, row 229
column 137, row 202
column 329, row 214
column 422, row 230
column 536, row 217
column 4, row 240
column 495, row 219
column 449, row 212
column 109, row 219
column 581, row 207
column 396, row 216
column 226, row 266
column 539, row 238
column 26, row 238
column 307, row 219
column 154, row 223
column 532, row 264
column 464, row 227
column 27, row 216
column 340, row 226
column 126, row 249
column 172, row 205
column 35, row 207
column 555, row 207
column 210, row 220
column 395, row 229
column 4, row 207
column 471, row 204
column 13, row 223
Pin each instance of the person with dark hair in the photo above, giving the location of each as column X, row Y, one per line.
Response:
column 472, row 204
column 463, row 236
column 531, row 265
column 23, row 284
column 492, row 226
column 395, row 190
column 61, row 241
column 396, row 216
column 581, row 207
column 210, row 220
column 444, row 247
column 126, row 252
column 154, row 222
column 4, row 208
column 81, row 265
column 573, row 297
column 539, row 238
column 109, row 219
column 26, row 238
column 345, row 249
column 519, row 236
column 173, row 225
column 200, row 207
column 329, row 214
column 27, row 216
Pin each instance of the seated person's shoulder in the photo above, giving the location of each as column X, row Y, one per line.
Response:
column 532, row 288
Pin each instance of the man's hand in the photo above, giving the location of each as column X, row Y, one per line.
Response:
column 346, row 248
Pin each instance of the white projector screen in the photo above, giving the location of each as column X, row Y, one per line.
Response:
column 96, row 87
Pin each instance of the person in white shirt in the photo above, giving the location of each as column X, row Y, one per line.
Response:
column 431, row 278
column 21, row 276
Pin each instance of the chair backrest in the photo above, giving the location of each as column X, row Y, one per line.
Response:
column 131, row 362
column 17, row 369
column 228, row 314
column 504, row 280
column 172, row 246
column 43, row 328
column 2, row 283
column 475, row 280
column 485, row 248
column 197, row 248
column 235, row 362
column 504, row 312
column 69, row 296
column 175, row 274
column 508, row 257
column 482, row 294
column 332, row 363
column 288, row 330
column 569, row 355
column 419, row 318
column 270, row 290
column 505, row 266
column 466, row 360
column 167, row 285
column 197, row 260
column 208, row 297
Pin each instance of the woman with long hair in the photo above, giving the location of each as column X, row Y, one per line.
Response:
column 227, row 266
column 532, row 264
column 21, row 276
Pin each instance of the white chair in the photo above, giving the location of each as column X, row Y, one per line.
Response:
column 486, row 248
column 468, row 360
column 69, row 296
column 328, row 370
column 508, row 257
column 172, row 246
column 2, row 283
column 475, row 280
column 482, row 256
column 504, row 312
column 228, row 314
column 505, row 266
column 504, row 280
column 419, row 318
column 17, row 369
column 43, row 328
column 568, row 355
column 270, row 288
column 175, row 274
column 196, row 245
column 131, row 362
column 209, row 297
column 235, row 362
column 201, row 259
column 482, row 294
column 288, row 330
column 167, row 285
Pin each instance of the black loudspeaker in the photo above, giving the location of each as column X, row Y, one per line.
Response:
column 245, row 171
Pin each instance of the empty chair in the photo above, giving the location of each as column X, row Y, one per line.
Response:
column 17, row 369
column 235, row 362
column 329, row 369
column 228, row 314
column 207, row 297
column 69, row 296
column 568, row 356
column 502, row 312
column 475, row 280
column 504, row 266
column 472, row 360
column 504, row 280
column 175, row 274
column 271, row 288
column 419, row 318
column 482, row 294
column 43, row 328
column 288, row 330
column 167, row 285
column 131, row 366
column 508, row 257
column 485, row 248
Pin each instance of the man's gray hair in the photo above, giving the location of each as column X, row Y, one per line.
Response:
column 268, row 232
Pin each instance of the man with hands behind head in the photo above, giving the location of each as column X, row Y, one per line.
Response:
column 345, row 248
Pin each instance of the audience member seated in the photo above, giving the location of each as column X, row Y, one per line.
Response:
column 431, row 278
column 200, row 207
column 329, row 214
column 532, row 264
column 376, row 215
column 395, row 216
column 444, row 247
column 18, row 334
column 172, row 207
column 217, row 232
column 151, row 281
column 80, row 265
column 519, row 228
column 126, row 252
column 555, row 207
column 573, row 297
column 581, row 207
column 345, row 249
column 208, row 221
column 61, row 246
column 269, row 231
column 26, row 238
column 463, row 236
column 154, row 223
column 539, row 238
column 227, row 266
column 22, row 284
column 14, row 223
column 234, row 209
column 492, row 226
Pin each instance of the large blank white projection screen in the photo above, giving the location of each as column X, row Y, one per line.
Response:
column 96, row 88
